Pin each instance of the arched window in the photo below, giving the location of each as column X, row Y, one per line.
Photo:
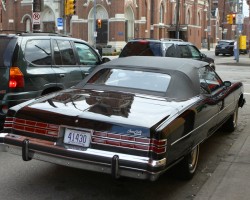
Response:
column 161, row 14
column 28, row 25
column 199, row 19
column 174, row 18
column 188, row 17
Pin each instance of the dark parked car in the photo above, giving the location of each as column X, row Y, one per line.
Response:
column 34, row 64
column 133, row 117
column 164, row 48
column 225, row 47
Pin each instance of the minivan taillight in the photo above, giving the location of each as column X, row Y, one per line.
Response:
column 16, row 78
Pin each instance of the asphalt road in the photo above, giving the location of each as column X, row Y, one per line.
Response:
column 44, row 181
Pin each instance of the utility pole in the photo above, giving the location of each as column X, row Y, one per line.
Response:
column 223, row 19
column 94, row 24
column 177, row 36
column 209, row 25
column 248, row 30
column 238, row 27
column 63, row 16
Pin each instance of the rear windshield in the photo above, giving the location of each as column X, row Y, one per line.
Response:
column 4, row 41
column 226, row 42
column 132, row 79
column 142, row 48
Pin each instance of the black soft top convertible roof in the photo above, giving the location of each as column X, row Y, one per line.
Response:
column 184, row 82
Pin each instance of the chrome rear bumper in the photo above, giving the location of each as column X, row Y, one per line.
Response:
column 116, row 164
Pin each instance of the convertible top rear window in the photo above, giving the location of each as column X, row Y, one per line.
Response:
column 143, row 80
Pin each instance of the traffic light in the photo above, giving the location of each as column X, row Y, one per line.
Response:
column 233, row 18
column 230, row 19
column 99, row 23
column 70, row 7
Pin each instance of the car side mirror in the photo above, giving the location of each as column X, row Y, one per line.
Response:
column 203, row 55
column 227, row 83
column 105, row 59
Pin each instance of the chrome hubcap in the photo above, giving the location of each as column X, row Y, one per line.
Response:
column 193, row 159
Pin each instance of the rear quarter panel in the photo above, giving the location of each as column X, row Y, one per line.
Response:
column 189, row 128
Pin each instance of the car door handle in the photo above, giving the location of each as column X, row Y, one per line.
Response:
column 221, row 105
column 62, row 75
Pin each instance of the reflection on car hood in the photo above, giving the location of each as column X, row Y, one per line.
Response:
column 111, row 107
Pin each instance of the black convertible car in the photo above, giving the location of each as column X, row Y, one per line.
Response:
column 133, row 117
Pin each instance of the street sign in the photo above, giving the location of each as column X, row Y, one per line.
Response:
column 240, row 27
column 60, row 23
column 36, row 17
column 239, row 19
column 208, row 28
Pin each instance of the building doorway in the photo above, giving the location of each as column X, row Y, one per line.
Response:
column 102, row 32
column 129, row 16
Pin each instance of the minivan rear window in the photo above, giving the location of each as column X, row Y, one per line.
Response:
column 142, row 48
column 4, row 41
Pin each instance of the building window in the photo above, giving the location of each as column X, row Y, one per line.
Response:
column 161, row 14
column 28, row 25
column 174, row 18
column 199, row 19
column 188, row 17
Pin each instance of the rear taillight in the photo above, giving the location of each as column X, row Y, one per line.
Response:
column 130, row 142
column 31, row 126
column 8, row 122
column 5, row 109
column 16, row 78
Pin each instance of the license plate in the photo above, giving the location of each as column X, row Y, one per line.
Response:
column 77, row 137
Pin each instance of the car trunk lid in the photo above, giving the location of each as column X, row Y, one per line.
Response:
column 113, row 112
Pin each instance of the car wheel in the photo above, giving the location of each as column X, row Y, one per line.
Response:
column 216, row 54
column 231, row 124
column 188, row 166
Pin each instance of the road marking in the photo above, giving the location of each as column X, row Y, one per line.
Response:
column 246, row 93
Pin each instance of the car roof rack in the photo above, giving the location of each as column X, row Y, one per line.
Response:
column 172, row 39
column 37, row 33
column 34, row 33
column 143, row 39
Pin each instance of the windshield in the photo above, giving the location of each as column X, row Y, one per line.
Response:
column 142, row 80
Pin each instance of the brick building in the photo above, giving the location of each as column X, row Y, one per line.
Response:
column 221, row 8
column 246, row 27
column 121, row 20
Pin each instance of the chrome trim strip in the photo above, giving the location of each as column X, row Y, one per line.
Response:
column 178, row 140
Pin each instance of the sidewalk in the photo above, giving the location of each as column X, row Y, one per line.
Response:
column 244, row 59
column 231, row 179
